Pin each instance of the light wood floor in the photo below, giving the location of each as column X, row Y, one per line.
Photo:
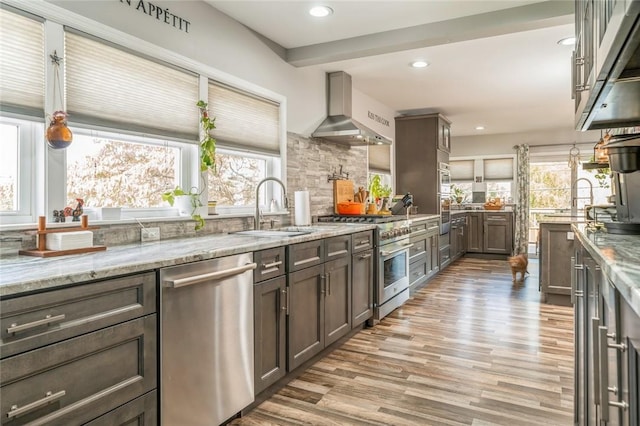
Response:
column 471, row 348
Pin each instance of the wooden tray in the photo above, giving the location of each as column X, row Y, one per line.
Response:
column 42, row 232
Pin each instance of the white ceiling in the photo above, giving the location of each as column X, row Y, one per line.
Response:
column 492, row 63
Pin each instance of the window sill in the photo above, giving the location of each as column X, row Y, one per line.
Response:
column 131, row 221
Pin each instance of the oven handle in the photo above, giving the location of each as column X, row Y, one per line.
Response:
column 389, row 253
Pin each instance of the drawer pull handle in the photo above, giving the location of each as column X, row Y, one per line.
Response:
column 365, row 256
column 362, row 243
column 419, row 232
column 271, row 265
column 337, row 253
column 15, row 328
column 48, row 398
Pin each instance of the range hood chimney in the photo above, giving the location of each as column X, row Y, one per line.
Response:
column 339, row 126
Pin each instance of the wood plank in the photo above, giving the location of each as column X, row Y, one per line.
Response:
column 470, row 348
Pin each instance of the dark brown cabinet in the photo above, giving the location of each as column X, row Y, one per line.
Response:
column 423, row 254
column 607, row 341
column 337, row 299
column 422, row 142
column 475, row 232
column 319, row 304
column 458, row 235
column 605, row 63
column 498, row 233
column 270, row 336
column 556, row 248
column 72, row 355
column 362, row 278
column 490, row 232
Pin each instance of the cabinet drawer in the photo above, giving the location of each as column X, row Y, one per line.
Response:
column 418, row 270
column 33, row 321
column 418, row 229
column 433, row 227
column 142, row 411
column 87, row 376
column 271, row 264
column 362, row 241
column 495, row 217
column 336, row 247
column 306, row 254
column 418, row 248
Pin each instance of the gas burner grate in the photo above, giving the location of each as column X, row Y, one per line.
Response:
column 360, row 218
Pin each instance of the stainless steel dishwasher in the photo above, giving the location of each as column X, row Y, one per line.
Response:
column 206, row 340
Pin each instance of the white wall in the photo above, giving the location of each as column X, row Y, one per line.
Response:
column 217, row 41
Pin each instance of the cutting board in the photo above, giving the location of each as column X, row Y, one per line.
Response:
column 342, row 192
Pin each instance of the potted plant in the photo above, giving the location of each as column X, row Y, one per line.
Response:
column 379, row 192
column 457, row 194
column 207, row 148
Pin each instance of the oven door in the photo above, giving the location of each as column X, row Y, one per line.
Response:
column 444, row 179
column 393, row 269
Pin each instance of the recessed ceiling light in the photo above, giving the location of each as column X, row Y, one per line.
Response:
column 419, row 64
column 479, row 127
column 567, row 41
column 320, row 11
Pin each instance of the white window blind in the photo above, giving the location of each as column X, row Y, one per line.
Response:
column 498, row 169
column 22, row 64
column 244, row 120
column 380, row 158
column 461, row 170
column 111, row 87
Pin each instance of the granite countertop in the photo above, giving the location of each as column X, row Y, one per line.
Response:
column 421, row 217
column 22, row 274
column 561, row 219
column 618, row 256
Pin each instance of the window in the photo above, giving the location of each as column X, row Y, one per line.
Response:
column 16, row 169
column 237, row 178
column 135, row 122
column 248, row 148
column 498, row 189
column 121, row 171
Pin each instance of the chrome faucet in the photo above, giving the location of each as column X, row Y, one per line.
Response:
column 574, row 200
column 284, row 192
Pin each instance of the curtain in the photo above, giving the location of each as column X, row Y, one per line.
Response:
column 521, row 234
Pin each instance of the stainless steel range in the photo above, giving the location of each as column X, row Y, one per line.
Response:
column 391, row 283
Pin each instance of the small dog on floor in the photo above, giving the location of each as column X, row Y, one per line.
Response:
column 518, row 263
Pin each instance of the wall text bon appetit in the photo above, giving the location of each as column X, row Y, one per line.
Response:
column 162, row 15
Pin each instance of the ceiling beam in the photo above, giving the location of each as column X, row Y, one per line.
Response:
column 522, row 18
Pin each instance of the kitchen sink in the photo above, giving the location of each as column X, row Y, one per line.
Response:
column 287, row 231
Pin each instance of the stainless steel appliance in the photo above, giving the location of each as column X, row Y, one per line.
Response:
column 444, row 193
column 391, row 283
column 206, row 340
column 339, row 126
column 624, row 160
column 392, row 278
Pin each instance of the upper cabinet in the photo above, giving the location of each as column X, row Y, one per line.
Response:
column 606, row 64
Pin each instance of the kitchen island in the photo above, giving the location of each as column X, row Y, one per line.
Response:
column 555, row 248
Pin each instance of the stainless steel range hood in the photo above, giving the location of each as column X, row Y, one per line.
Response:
column 339, row 126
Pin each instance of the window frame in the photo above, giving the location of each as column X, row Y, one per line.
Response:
column 29, row 134
column 49, row 166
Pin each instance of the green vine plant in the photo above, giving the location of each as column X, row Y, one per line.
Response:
column 207, row 143
column 207, row 149
column 602, row 175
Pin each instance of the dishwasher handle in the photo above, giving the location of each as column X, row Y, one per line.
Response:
column 211, row 276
